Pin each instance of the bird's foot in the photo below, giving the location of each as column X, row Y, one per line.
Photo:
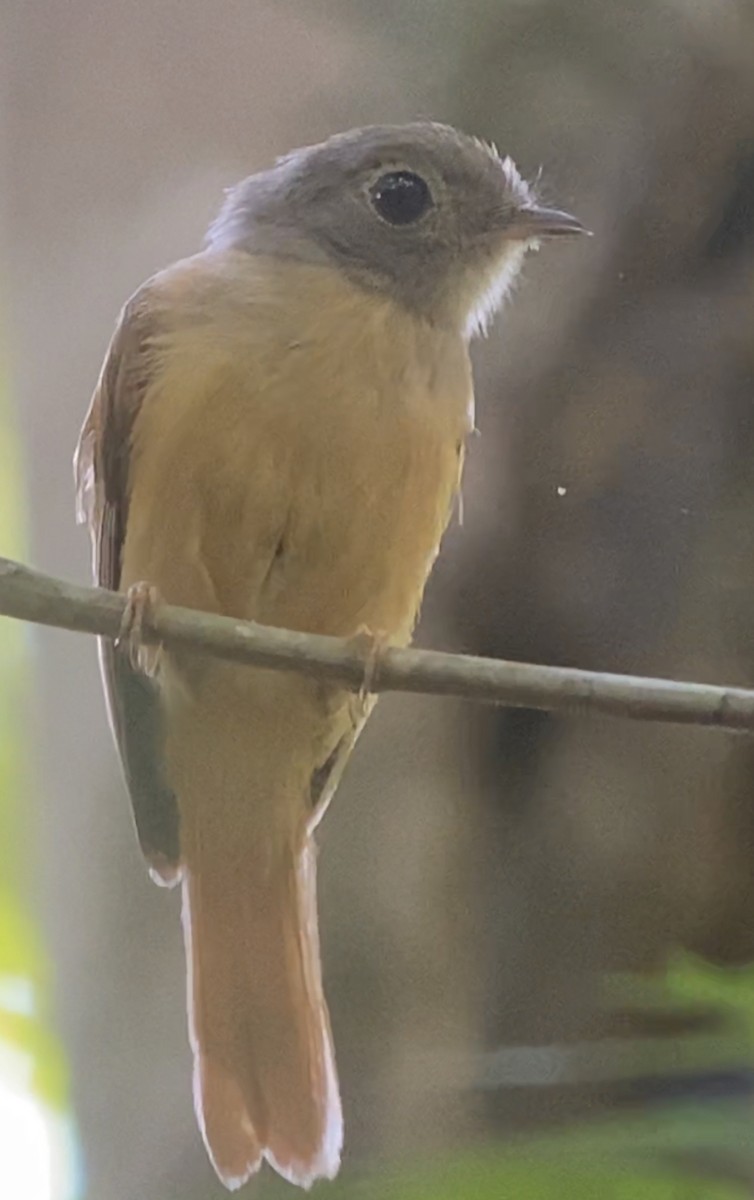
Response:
column 142, row 599
column 370, row 646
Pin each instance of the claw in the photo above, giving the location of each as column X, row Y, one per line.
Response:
column 370, row 646
column 141, row 601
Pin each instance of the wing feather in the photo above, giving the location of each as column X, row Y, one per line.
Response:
column 101, row 468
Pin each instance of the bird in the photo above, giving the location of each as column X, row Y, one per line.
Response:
column 278, row 435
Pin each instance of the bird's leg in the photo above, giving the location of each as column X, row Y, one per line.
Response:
column 369, row 646
column 142, row 599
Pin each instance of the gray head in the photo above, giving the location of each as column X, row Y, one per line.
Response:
column 433, row 218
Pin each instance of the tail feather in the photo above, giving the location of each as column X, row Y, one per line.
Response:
column 231, row 1140
column 265, row 1084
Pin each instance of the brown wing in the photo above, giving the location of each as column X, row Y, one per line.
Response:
column 101, row 468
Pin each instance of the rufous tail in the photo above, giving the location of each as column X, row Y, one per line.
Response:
column 265, row 1084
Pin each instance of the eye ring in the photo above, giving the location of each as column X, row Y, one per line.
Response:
column 400, row 197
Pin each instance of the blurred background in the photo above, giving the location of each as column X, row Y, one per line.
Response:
column 484, row 874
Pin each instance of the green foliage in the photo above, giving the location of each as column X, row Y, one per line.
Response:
column 692, row 981
column 632, row 1159
column 22, row 960
column 493, row 1177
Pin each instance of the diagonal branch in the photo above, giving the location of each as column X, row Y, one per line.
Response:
column 31, row 596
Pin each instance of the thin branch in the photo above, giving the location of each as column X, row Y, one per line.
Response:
column 32, row 596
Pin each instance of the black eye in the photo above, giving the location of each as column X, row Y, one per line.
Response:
column 400, row 197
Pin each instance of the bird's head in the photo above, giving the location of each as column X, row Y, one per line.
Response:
column 435, row 219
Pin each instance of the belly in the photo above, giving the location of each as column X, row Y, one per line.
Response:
column 362, row 532
column 299, row 471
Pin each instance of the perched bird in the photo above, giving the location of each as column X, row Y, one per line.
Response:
column 277, row 435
